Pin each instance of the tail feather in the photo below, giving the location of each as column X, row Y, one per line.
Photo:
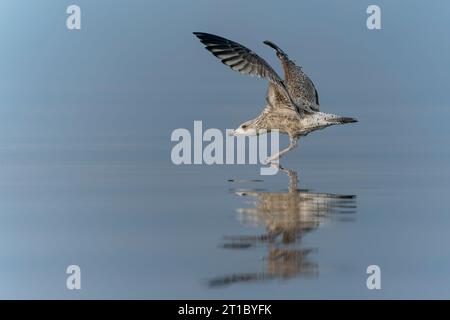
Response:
column 346, row 120
column 320, row 120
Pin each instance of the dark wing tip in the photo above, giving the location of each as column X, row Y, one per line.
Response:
column 199, row 34
column 274, row 46
column 209, row 36
column 202, row 35
column 270, row 44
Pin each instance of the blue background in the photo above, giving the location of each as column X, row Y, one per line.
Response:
column 85, row 170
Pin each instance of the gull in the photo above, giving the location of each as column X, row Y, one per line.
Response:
column 292, row 103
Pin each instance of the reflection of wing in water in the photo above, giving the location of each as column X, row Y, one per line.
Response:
column 287, row 217
column 281, row 263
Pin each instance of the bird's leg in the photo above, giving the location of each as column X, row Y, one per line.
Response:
column 292, row 174
column 293, row 179
column 292, row 145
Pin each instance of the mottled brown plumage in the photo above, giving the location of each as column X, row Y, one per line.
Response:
column 292, row 103
column 299, row 85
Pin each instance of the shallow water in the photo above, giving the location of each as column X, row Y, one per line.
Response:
column 86, row 176
column 141, row 227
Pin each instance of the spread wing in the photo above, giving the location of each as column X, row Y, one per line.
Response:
column 305, row 85
column 243, row 60
column 300, row 86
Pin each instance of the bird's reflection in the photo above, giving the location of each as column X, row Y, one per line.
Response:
column 287, row 216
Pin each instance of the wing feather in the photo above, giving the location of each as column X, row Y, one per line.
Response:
column 245, row 61
column 300, row 86
column 231, row 53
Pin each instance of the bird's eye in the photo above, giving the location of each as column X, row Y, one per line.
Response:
column 244, row 126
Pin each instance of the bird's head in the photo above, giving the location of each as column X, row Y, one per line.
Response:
column 245, row 129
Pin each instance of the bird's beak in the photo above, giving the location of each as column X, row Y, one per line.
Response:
column 231, row 133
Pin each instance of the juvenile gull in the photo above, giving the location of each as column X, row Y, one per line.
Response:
column 292, row 104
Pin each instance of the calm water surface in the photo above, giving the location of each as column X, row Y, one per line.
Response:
column 142, row 227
